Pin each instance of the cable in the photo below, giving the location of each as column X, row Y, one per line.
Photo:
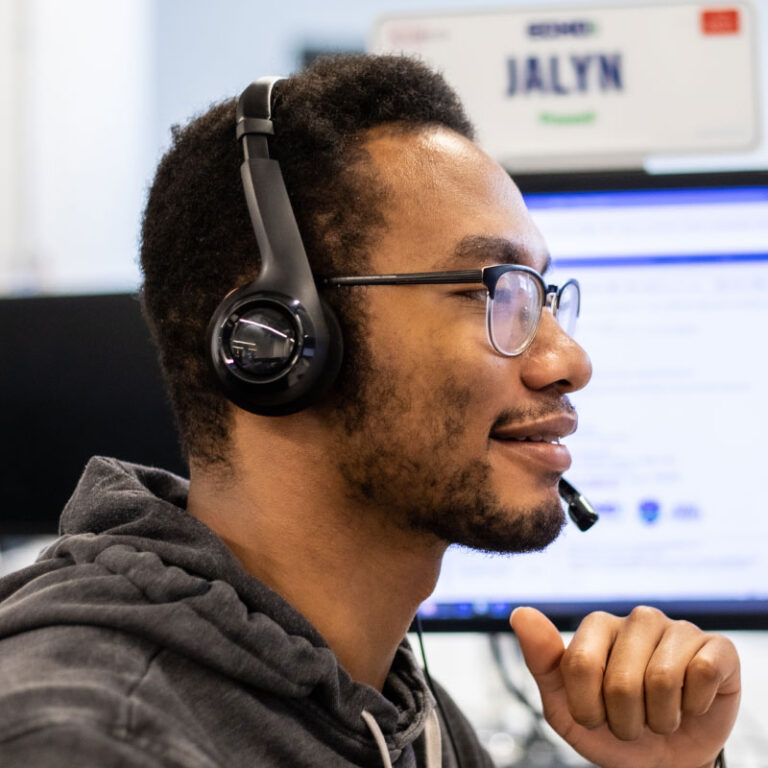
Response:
column 431, row 685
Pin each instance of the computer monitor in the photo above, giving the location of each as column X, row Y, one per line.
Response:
column 78, row 377
column 674, row 271
column 671, row 446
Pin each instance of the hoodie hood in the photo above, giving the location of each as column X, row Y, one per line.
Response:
column 131, row 559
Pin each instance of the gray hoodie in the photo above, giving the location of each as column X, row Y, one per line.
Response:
column 137, row 640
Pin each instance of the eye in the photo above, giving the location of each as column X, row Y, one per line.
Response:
column 478, row 294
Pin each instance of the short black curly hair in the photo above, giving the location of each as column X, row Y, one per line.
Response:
column 197, row 243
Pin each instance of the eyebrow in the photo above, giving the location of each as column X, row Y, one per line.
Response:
column 484, row 250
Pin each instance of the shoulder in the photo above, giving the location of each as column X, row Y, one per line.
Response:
column 49, row 744
column 75, row 744
column 59, row 674
column 70, row 696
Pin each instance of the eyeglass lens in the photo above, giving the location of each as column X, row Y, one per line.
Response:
column 516, row 308
column 567, row 311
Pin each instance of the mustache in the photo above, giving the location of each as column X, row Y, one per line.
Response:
column 512, row 416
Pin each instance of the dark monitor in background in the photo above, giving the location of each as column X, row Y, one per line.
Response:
column 78, row 378
column 671, row 447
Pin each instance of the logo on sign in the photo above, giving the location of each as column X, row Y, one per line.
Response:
column 551, row 29
column 720, row 22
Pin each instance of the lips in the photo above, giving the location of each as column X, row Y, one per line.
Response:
column 538, row 441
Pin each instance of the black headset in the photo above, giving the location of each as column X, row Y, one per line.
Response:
column 274, row 344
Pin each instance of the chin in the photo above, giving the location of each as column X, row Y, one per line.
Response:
column 523, row 525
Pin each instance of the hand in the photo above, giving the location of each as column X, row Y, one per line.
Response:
column 636, row 692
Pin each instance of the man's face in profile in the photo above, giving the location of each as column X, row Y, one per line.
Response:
column 451, row 437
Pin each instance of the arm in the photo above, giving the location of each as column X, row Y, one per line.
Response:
column 637, row 691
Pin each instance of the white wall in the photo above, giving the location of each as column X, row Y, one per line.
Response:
column 89, row 89
column 76, row 130
column 12, row 57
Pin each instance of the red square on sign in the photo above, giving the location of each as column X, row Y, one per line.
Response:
column 720, row 22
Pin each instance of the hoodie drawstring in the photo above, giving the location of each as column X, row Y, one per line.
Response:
column 433, row 747
column 378, row 737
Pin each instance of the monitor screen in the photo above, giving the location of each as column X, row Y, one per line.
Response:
column 79, row 377
column 670, row 448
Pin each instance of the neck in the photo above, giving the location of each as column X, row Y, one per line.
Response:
column 356, row 577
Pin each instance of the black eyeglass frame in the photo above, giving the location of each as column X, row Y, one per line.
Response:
column 488, row 276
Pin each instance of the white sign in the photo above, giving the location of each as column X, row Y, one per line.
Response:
column 568, row 87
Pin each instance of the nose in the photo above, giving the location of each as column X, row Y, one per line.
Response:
column 555, row 359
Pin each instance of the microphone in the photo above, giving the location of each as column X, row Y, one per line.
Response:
column 579, row 509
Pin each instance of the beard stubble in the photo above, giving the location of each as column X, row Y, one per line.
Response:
column 408, row 468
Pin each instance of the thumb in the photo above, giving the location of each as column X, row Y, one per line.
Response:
column 542, row 648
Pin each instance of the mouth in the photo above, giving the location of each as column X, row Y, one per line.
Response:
column 537, row 442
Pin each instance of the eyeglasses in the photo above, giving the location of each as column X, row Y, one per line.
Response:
column 516, row 297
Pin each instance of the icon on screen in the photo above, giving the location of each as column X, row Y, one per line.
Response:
column 686, row 512
column 649, row 511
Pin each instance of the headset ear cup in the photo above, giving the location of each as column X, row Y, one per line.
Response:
column 281, row 386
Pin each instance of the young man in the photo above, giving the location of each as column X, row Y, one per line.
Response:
column 256, row 615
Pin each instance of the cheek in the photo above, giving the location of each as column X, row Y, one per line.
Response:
column 406, row 337
column 459, row 389
column 438, row 358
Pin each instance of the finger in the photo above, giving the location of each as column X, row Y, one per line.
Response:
column 665, row 675
column 541, row 645
column 583, row 667
column 713, row 670
column 623, row 686
column 543, row 649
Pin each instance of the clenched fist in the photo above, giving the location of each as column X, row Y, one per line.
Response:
column 636, row 692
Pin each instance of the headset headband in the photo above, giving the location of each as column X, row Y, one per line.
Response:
column 284, row 263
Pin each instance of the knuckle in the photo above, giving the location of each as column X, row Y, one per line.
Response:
column 703, row 670
column 578, row 663
column 597, row 618
column 552, row 714
column 645, row 614
column 725, row 646
column 625, row 731
column 590, row 720
column 694, row 706
column 662, row 678
column 664, row 726
column 621, row 687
